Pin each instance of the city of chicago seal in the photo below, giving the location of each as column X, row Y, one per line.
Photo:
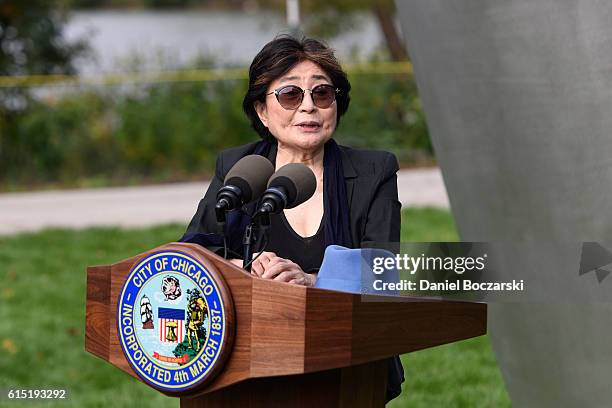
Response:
column 172, row 321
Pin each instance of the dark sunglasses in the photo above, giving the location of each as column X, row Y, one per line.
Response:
column 290, row 97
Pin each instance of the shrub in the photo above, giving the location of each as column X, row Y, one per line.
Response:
column 173, row 130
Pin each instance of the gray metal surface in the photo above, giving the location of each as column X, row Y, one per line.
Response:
column 518, row 98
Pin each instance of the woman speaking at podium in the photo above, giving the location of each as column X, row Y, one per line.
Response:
column 297, row 94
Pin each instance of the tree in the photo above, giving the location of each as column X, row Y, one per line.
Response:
column 384, row 10
column 31, row 43
column 330, row 17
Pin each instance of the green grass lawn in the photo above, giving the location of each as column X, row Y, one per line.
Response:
column 42, row 310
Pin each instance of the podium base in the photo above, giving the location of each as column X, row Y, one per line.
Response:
column 350, row 387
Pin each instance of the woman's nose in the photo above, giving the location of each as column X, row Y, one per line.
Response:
column 307, row 102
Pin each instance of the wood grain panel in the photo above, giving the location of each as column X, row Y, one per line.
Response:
column 329, row 319
column 278, row 328
column 383, row 329
column 364, row 385
column 96, row 311
column 361, row 386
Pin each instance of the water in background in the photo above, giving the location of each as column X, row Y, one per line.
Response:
column 149, row 40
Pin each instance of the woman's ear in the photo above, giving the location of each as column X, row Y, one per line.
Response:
column 262, row 112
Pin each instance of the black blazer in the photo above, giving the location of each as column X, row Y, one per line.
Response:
column 371, row 188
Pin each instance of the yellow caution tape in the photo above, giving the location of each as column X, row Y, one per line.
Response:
column 190, row 75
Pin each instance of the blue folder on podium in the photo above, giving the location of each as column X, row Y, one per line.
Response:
column 351, row 270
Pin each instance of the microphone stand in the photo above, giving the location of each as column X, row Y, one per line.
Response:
column 247, row 242
column 261, row 220
column 273, row 199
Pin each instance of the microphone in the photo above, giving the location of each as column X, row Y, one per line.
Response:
column 289, row 187
column 245, row 182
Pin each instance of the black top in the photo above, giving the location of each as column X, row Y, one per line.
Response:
column 371, row 189
column 285, row 242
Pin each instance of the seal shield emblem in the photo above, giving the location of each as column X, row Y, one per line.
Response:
column 185, row 302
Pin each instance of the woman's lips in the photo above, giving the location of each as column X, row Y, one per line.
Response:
column 308, row 127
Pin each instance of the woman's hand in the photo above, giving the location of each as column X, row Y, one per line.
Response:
column 270, row 266
column 284, row 270
column 260, row 264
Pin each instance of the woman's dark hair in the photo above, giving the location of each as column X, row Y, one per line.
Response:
column 278, row 57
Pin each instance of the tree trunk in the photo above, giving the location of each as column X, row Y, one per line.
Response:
column 384, row 15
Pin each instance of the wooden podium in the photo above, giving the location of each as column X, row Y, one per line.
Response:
column 291, row 346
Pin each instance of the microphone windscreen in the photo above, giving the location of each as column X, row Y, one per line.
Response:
column 298, row 180
column 250, row 174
